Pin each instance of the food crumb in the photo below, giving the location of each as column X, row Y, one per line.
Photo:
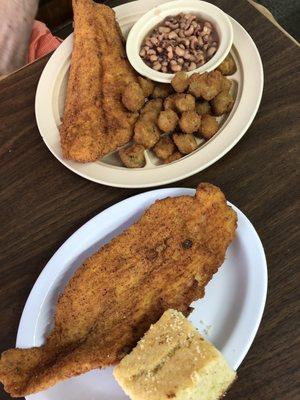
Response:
column 157, row 11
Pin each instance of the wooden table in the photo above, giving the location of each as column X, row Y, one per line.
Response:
column 42, row 203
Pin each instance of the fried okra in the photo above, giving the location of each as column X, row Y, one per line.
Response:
column 150, row 116
column 225, row 84
column 203, row 107
column 228, row 66
column 185, row 142
column 222, row 103
column 180, row 82
column 146, row 85
column 133, row 97
column 195, row 84
column 164, row 148
column 169, row 102
column 175, row 156
column 207, row 85
column 162, row 90
column 209, row 126
column 185, row 102
column 154, row 105
column 146, row 133
column 190, row 122
column 133, row 156
column 167, row 121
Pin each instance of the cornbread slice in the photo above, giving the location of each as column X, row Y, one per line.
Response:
column 173, row 361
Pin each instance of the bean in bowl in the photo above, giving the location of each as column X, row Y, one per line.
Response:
column 181, row 43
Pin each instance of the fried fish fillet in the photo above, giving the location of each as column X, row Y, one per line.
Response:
column 117, row 74
column 95, row 122
column 162, row 261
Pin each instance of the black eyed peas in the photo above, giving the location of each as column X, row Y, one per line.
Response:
column 181, row 43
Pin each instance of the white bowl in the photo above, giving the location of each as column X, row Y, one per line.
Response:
column 151, row 19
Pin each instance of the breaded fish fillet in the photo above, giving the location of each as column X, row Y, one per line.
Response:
column 117, row 74
column 95, row 122
column 162, row 261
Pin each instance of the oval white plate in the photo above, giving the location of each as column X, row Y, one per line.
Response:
column 229, row 315
column 49, row 105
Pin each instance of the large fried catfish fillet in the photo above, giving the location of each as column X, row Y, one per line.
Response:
column 164, row 260
column 95, row 122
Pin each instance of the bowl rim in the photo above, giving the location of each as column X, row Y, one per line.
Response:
column 153, row 17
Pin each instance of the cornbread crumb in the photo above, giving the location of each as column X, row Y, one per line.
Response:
column 173, row 361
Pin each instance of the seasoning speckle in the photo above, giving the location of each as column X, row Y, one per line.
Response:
column 187, row 244
column 152, row 254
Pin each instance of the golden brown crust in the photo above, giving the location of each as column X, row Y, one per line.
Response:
column 117, row 74
column 174, row 157
column 162, row 261
column 95, row 122
column 83, row 118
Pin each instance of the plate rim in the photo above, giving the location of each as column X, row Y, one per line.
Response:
column 27, row 317
column 156, row 181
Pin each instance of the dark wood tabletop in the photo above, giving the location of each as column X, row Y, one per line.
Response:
column 43, row 203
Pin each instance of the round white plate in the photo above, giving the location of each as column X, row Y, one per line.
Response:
column 229, row 314
column 248, row 86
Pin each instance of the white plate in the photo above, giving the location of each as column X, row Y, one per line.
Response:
column 229, row 315
column 248, row 86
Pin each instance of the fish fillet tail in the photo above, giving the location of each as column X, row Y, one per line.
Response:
column 16, row 367
column 28, row 371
